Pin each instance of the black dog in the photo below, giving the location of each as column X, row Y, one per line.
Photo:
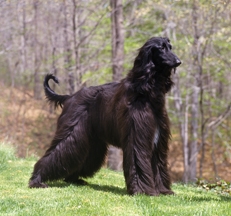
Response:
column 130, row 114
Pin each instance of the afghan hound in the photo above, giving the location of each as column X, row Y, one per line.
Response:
column 129, row 114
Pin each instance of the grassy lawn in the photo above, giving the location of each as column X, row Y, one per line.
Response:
column 104, row 195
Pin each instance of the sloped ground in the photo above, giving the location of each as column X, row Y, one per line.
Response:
column 30, row 124
column 104, row 195
column 25, row 122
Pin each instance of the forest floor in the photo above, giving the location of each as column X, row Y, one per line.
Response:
column 30, row 125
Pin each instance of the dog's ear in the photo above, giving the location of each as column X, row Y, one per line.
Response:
column 143, row 62
column 142, row 70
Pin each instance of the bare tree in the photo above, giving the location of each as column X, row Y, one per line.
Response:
column 117, row 39
column 37, row 85
column 68, row 53
column 23, row 38
column 193, row 112
column 114, row 154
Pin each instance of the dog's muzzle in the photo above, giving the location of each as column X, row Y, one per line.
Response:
column 178, row 62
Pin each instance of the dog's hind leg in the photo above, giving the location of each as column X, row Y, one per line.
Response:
column 62, row 159
column 75, row 179
column 95, row 158
column 93, row 162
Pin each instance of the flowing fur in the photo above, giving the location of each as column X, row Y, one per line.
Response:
column 130, row 114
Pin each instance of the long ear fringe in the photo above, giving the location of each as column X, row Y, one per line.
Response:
column 142, row 71
column 168, row 84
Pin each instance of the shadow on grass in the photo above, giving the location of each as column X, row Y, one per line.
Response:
column 103, row 188
column 199, row 196
column 107, row 188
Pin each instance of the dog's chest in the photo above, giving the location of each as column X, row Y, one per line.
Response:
column 156, row 136
column 161, row 131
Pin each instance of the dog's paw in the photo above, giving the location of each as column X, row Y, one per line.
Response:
column 37, row 185
column 167, row 192
column 81, row 182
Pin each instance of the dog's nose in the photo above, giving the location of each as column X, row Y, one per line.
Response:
column 178, row 62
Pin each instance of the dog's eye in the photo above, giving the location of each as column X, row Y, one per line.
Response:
column 162, row 47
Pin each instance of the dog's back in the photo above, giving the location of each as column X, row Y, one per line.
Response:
column 100, row 103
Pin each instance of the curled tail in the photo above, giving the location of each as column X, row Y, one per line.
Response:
column 51, row 96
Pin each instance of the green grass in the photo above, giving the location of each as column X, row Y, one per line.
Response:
column 104, row 195
column 7, row 153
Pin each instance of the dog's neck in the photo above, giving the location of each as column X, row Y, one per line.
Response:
column 151, row 83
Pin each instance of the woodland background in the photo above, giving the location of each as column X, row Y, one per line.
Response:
column 90, row 42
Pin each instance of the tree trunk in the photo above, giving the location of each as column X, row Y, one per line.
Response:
column 114, row 154
column 67, row 58
column 23, row 41
column 182, row 116
column 193, row 144
column 37, row 83
column 117, row 39
column 193, row 149
column 76, row 25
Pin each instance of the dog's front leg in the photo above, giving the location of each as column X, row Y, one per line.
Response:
column 137, row 166
column 160, row 168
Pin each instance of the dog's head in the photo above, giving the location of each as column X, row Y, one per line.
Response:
column 156, row 60
column 161, row 52
column 157, row 52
